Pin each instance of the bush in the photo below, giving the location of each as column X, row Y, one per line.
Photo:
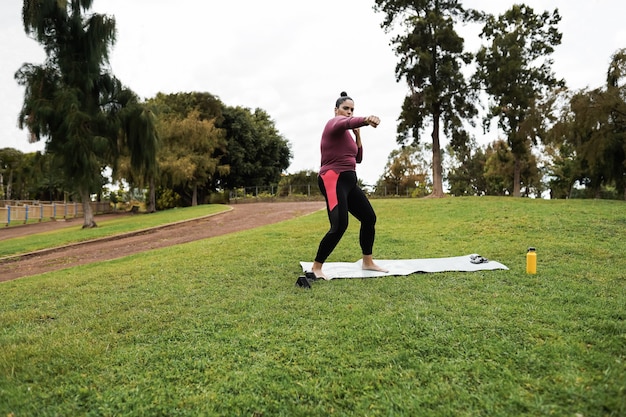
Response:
column 167, row 199
column 219, row 198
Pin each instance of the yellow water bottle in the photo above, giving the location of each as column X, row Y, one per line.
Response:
column 531, row 261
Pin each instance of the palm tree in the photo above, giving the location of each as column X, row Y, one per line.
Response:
column 73, row 100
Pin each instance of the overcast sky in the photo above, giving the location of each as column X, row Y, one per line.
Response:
column 291, row 59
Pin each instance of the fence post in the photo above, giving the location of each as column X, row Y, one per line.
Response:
column 9, row 214
column 25, row 213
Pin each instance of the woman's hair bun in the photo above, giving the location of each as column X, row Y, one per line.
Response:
column 344, row 97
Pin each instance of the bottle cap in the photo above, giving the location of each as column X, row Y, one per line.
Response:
column 531, row 249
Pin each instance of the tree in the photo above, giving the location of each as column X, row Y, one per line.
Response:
column 406, row 171
column 138, row 164
column 466, row 175
column 257, row 153
column 568, row 144
column 588, row 142
column 564, row 169
column 431, row 60
column 37, row 177
column 499, row 165
column 72, row 99
column 208, row 106
column 190, row 157
column 616, row 129
column 515, row 70
column 10, row 162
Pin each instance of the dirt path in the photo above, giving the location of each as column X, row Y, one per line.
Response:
column 241, row 217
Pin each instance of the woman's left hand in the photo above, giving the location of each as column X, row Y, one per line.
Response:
column 372, row 121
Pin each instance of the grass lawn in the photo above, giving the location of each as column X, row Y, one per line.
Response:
column 218, row 328
column 123, row 224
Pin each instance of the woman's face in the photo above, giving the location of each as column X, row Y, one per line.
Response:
column 345, row 109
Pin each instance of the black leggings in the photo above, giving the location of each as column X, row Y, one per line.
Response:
column 344, row 196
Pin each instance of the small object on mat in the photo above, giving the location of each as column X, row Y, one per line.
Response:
column 303, row 282
column 477, row 259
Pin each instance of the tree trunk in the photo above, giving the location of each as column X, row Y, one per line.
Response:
column 194, row 197
column 516, row 177
column 8, row 196
column 88, row 220
column 437, row 167
column 620, row 186
column 151, row 196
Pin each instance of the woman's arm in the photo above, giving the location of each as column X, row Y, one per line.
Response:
column 359, row 144
column 340, row 123
column 357, row 135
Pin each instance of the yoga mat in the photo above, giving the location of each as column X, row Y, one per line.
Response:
column 335, row 270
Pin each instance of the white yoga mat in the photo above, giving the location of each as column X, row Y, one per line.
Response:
column 335, row 270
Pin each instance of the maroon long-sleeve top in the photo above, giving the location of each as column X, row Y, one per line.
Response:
column 339, row 150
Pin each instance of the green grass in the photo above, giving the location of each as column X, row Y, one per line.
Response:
column 123, row 224
column 218, row 328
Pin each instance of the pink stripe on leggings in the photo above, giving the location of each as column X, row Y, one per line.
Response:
column 330, row 184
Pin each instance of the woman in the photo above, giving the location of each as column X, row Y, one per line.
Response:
column 338, row 182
